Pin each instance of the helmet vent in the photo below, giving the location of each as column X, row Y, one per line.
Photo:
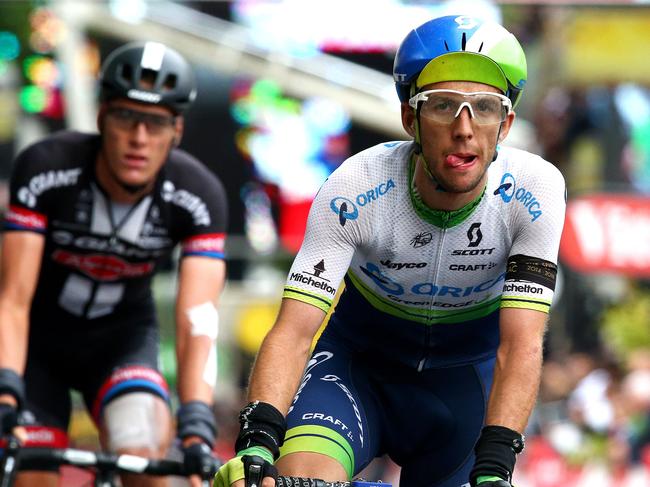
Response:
column 446, row 46
column 148, row 79
column 126, row 72
column 463, row 42
column 170, row 82
column 480, row 47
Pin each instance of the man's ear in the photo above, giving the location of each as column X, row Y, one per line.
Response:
column 505, row 128
column 180, row 125
column 408, row 119
column 101, row 113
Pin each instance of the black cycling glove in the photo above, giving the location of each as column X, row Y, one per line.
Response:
column 198, row 460
column 8, row 418
column 496, row 451
column 12, row 384
column 261, row 424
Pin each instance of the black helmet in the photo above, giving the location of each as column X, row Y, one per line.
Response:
column 148, row 72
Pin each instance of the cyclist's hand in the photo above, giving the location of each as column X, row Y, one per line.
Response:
column 198, row 460
column 252, row 466
column 259, row 471
column 230, row 472
column 9, row 422
column 8, row 418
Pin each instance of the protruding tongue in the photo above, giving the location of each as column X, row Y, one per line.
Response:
column 455, row 160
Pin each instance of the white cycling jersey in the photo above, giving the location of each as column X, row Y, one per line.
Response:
column 420, row 265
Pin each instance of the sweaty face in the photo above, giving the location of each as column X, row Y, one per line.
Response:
column 459, row 153
column 136, row 141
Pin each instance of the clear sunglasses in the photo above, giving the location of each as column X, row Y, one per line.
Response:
column 128, row 119
column 444, row 106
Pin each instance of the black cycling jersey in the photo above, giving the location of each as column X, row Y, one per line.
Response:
column 99, row 257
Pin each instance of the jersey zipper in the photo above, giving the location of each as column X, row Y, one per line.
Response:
column 438, row 260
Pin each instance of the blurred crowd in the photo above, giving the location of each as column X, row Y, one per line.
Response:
column 592, row 423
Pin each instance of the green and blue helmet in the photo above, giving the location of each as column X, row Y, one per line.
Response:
column 460, row 48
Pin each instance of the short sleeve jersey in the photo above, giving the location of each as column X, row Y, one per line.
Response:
column 426, row 286
column 99, row 262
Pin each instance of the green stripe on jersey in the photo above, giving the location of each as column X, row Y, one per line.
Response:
column 425, row 316
column 525, row 302
column 307, row 297
column 319, row 439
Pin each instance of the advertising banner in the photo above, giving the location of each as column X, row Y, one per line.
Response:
column 607, row 233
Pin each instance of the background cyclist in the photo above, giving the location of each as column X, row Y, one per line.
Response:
column 91, row 218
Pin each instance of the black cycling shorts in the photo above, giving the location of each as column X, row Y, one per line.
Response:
column 355, row 407
column 100, row 364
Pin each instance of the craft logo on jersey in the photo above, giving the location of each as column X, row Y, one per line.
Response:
column 474, row 235
column 306, row 278
column 102, row 267
column 508, row 190
column 421, row 239
column 346, row 209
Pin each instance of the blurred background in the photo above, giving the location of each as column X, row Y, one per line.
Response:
column 290, row 88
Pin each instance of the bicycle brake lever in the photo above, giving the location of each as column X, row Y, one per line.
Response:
column 254, row 477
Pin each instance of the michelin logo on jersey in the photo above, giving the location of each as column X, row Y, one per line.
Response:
column 346, row 209
column 306, row 278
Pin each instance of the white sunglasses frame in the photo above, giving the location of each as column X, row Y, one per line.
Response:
column 424, row 96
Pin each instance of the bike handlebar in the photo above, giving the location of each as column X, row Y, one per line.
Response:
column 46, row 458
column 41, row 458
column 17, row 459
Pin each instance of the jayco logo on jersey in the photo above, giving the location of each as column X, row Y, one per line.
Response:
column 402, row 265
column 45, row 181
column 347, row 209
column 427, row 288
column 508, row 190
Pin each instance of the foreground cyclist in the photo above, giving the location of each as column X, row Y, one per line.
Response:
column 91, row 218
column 448, row 246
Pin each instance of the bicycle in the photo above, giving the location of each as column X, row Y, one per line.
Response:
column 107, row 465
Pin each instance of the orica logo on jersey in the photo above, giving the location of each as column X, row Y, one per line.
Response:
column 394, row 288
column 347, row 209
column 508, row 190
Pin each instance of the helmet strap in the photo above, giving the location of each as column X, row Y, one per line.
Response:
column 496, row 151
column 420, row 154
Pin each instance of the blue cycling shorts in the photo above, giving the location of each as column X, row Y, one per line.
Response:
column 355, row 406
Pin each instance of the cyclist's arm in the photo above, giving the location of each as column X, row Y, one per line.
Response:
column 21, row 262
column 518, row 368
column 283, row 355
column 201, row 280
